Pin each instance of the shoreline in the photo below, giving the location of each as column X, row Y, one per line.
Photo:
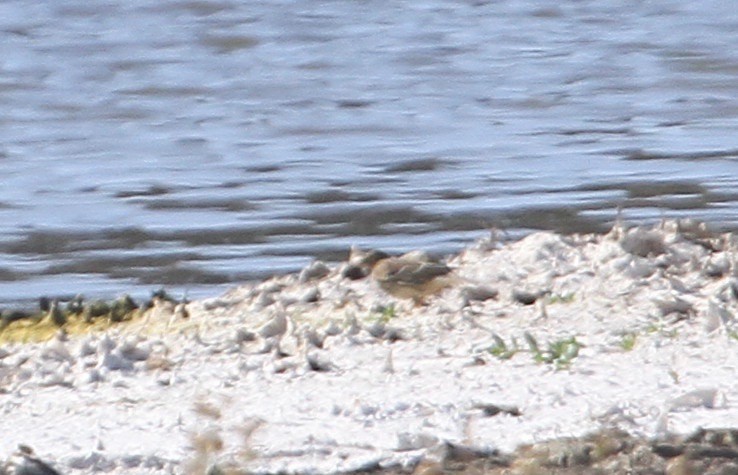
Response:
column 314, row 372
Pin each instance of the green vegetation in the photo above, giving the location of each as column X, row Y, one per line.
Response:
column 561, row 298
column 661, row 329
column 384, row 313
column 558, row 352
column 628, row 341
column 500, row 350
column 74, row 318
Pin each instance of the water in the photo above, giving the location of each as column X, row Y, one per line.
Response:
column 195, row 144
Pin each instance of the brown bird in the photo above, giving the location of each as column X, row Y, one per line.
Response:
column 360, row 263
column 412, row 276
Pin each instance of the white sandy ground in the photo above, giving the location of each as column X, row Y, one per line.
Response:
column 140, row 399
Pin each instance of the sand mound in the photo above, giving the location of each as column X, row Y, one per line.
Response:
column 548, row 337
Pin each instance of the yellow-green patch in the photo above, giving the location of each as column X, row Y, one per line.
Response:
column 37, row 329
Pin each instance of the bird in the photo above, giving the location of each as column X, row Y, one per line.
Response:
column 412, row 276
column 360, row 263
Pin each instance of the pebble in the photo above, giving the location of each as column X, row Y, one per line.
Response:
column 710, row 398
column 333, row 328
column 277, row 326
column 643, row 242
column 316, row 270
column 243, row 335
column 414, row 441
column 525, row 297
column 672, row 304
column 311, row 295
column 115, row 361
column 353, row 272
column 477, row 293
column 318, row 362
column 312, row 336
column 132, row 350
column 376, row 329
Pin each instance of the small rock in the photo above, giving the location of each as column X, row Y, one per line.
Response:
column 92, row 462
column 478, row 293
column 271, row 287
column 393, row 334
column 244, row 336
column 491, row 410
column 114, row 361
column 525, row 297
column 352, row 325
column 643, row 242
column 94, row 376
column 453, row 452
column 317, row 362
column 311, row 295
column 86, row 348
column 376, row 329
column 708, row 398
column 716, row 268
column 215, row 470
column 274, row 327
column 333, row 329
column 353, row 272
column 286, row 346
column 132, row 351
column 264, row 300
column 131, row 461
column 679, row 286
column 717, row 314
column 639, row 268
column 673, row 304
column 414, row 441
column 181, row 312
column 316, row 270
column 280, row 366
column 312, row 336
column 106, row 344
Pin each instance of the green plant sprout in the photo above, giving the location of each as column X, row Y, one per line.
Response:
column 560, row 353
column 501, row 350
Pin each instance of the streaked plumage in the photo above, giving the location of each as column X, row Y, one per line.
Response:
column 412, row 277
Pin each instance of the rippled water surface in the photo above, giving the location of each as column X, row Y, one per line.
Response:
column 197, row 143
